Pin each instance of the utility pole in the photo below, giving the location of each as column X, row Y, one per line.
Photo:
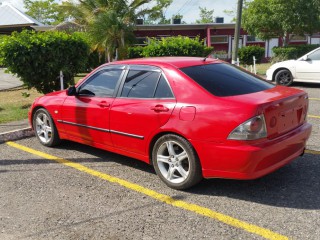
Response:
column 237, row 32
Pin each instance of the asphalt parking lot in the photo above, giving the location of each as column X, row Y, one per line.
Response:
column 78, row 192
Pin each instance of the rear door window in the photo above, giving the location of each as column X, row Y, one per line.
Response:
column 226, row 80
column 146, row 82
column 140, row 84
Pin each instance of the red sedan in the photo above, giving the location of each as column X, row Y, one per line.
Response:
column 188, row 117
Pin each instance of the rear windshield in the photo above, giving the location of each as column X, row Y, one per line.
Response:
column 226, row 80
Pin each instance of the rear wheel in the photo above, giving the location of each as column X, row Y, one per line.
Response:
column 44, row 128
column 284, row 77
column 176, row 162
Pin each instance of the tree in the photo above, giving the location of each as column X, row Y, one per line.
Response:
column 109, row 33
column 37, row 58
column 45, row 11
column 268, row 18
column 206, row 16
column 110, row 23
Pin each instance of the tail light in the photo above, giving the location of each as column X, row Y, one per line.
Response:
column 254, row 128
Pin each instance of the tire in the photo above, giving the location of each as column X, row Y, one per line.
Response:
column 175, row 162
column 284, row 77
column 44, row 128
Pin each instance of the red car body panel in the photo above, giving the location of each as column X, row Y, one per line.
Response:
column 203, row 119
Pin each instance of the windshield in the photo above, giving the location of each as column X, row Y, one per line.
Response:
column 226, row 80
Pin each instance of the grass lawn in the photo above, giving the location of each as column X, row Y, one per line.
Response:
column 261, row 68
column 14, row 106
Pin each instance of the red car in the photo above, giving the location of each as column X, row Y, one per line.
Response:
column 188, row 117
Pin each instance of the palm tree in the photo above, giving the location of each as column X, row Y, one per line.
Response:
column 110, row 22
column 109, row 32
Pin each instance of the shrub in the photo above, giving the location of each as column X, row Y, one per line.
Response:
column 246, row 54
column 292, row 51
column 2, row 37
column 176, row 46
column 135, row 52
column 285, row 53
column 37, row 58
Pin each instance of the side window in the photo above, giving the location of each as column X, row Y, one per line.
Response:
column 102, row 84
column 163, row 89
column 315, row 55
column 140, row 84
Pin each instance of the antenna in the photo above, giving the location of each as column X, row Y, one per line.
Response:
column 208, row 55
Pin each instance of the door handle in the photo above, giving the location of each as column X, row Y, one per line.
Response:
column 160, row 108
column 103, row 104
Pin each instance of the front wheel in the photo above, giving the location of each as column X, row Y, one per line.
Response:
column 176, row 162
column 44, row 128
column 284, row 77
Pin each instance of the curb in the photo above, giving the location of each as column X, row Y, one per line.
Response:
column 16, row 134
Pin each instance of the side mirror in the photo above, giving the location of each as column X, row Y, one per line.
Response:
column 305, row 58
column 72, row 91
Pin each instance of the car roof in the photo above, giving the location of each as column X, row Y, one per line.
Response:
column 177, row 62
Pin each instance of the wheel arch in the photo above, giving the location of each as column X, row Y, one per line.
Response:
column 159, row 135
column 279, row 69
column 33, row 111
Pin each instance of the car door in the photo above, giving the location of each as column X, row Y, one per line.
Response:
column 144, row 104
column 309, row 69
column 86, row 115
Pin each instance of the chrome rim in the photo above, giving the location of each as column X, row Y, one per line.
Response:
column 284, row 78
column 43, row 128
column 173, row 162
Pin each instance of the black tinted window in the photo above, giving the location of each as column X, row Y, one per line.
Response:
column 225, row 80
column 140, row 84
column 163, row 89
column 102, row 84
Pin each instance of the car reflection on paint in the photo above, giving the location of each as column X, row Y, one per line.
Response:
column 191, row 118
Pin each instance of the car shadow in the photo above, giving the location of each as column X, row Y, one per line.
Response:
column 293, row 186
column 103, row 156
column 304, row 84
column 296, row 185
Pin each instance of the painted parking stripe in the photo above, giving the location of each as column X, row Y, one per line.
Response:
column 313, row 116
column 266, row 233
column 312, row 152
column 316, row 99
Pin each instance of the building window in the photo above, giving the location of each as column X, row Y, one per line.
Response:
column 219, row 39
column 253, row 39
column 159, row 37
column 141, row 41
column 297, row 38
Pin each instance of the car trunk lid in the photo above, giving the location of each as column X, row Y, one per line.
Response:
column 284, row 108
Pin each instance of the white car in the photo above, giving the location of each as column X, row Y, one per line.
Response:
column 304, row 69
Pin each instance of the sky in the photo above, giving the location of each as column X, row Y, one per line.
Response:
column 189, row 9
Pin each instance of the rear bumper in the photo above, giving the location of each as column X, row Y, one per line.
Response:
column 251, row 161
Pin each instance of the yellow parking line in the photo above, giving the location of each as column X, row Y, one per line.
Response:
column 312, row 152
column 316, row 99
column 313, row 116
column 266, row 233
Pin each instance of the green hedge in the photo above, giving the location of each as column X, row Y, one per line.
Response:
column 135, row 52
column 171, row 46
column 37, row 58
column 293, row 51
column 246, row 54
column 2, row 37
